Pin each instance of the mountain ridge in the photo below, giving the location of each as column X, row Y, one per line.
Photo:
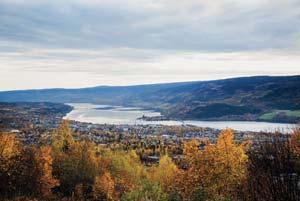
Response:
column 243, row 98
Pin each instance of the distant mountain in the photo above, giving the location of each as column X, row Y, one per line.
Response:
column 264, row 98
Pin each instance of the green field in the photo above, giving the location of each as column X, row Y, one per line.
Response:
column 271, row 115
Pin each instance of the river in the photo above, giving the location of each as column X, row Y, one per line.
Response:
column 107, row 114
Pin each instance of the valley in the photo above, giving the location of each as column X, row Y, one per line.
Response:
column 236, row 99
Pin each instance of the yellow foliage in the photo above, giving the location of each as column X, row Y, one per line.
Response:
column 62, row 137
column 191, row 151
column 220, row 169
column 223, row 166
column 164, row 173
column 126, row 170
column 8, row 145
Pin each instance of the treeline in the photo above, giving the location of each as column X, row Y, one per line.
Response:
column 71, row 170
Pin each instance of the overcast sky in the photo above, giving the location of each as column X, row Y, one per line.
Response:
column 79, row 43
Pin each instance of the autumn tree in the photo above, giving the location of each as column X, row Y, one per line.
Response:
column 62, row 139
column 295, row 142
column 103, row 188
column 9, row 151
column 126, row 171
column 75, row 163
column 219, row 170
column 274, row 169
column 77, row 167
column 189, row 177
column 25, row 170
column 45, row 178
column 224, row 166
column 8, row 146
column 146, row 191
column 87, row 165
column 164, row 173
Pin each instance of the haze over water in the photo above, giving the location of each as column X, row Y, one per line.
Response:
column 106, row 114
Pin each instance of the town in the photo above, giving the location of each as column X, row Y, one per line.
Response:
column 34, row 123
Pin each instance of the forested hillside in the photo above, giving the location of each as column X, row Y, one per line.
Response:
column 262, row 98
column 75, row 170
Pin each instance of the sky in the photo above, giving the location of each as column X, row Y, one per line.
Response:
column 81, row 43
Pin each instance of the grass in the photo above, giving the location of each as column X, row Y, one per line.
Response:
column 271, row 115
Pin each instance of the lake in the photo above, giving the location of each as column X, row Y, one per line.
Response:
column 107, row 114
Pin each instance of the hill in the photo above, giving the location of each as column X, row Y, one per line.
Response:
column 260, row 98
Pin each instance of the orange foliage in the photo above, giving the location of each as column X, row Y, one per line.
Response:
column 44, row 165
column 103, row 187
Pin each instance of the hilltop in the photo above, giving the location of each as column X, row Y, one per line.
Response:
column 260, row 98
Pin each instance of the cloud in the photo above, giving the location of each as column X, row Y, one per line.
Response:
column 198, row 25
column 145, row 41
column 114, row 62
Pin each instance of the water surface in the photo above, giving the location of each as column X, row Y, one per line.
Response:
column 107, row 114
